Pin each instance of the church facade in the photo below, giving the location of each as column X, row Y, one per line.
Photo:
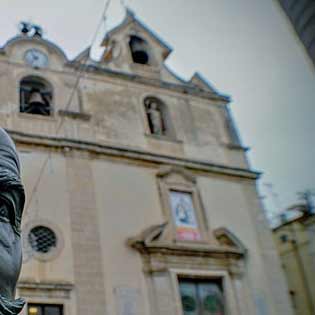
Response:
column 140, row 199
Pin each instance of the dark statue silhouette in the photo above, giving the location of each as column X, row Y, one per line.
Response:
column 12, row 200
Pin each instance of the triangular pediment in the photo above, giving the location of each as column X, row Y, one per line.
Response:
column 199, row 81
column 132, row 25
column 119, row 53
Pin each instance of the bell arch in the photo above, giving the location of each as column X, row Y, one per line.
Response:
column 139, row 50
column 36, row 96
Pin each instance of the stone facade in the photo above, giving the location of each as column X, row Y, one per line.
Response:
column 295, row 242
column 121, row 215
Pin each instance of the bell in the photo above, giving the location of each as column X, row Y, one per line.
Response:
column 36, row 99
column 140, row 56
column 137, row 45
column 138, row 50
column 36, row 104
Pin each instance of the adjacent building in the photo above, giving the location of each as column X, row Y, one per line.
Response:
column 302, row 16
column 295, row 241
column 140, row 199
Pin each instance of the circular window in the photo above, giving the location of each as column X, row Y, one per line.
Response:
column 42, row 239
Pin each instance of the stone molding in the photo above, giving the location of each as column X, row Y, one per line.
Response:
column 74, row 115
column 151, row 241
column 159, row 255
column 180, row 88
column 165, row 261
column 130, row 153
column 167, row 170
column 199, row 250
column 40, row 290
column 227, row 238
column 175, row 178
column 62, row 286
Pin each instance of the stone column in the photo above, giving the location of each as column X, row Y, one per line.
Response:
column 87, row 256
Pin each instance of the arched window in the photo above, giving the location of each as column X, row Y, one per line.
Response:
column 139, row 50
column 35, row 96
column 158, row 117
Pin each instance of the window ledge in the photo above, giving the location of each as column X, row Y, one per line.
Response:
column 36, row 116
column 163, row 138
column 74, row 115
column 145, row 70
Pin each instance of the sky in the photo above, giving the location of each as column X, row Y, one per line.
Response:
column 245, row 48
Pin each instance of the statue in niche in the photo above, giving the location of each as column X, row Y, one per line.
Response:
column 12, row 200
column 155, row 118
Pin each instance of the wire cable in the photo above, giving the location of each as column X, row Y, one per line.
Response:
column 81, row 70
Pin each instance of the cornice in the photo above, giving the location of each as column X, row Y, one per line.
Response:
column 61, row 286
column 130, row 153
column 74, row 115
column 153, row 240
column 179, row 88
column 304, row 219
column 160, row 253
column 209, row 251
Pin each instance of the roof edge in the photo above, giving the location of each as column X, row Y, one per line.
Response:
column 40, row 40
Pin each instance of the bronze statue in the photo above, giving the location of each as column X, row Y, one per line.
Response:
column 12, row 200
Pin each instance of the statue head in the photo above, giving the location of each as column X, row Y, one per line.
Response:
column 12, row 200
column 154, row 105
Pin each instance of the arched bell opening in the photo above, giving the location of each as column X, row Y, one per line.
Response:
column 139, row 50
column 35, row 96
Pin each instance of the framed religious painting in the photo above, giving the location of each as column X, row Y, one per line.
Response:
column 182, row 205
column 184, row 215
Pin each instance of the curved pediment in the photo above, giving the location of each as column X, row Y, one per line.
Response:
column 17, row 47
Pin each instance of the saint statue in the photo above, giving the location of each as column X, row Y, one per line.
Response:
column 155, row 118
column 12, row 200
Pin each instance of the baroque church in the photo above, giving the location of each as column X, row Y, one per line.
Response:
column 140, row 199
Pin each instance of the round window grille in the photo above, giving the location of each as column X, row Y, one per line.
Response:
column 42, row 239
